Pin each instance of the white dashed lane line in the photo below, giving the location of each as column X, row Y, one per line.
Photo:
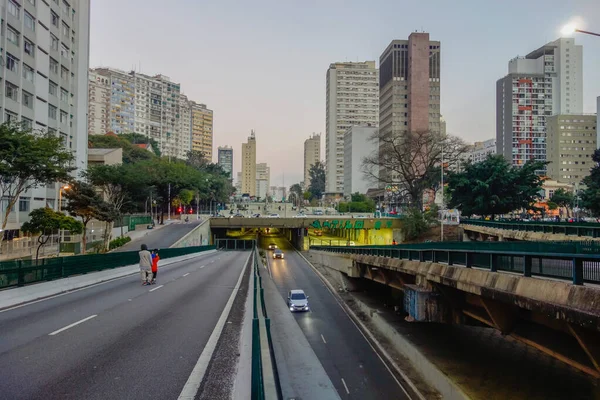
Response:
column 156, row 288
column 72, row 325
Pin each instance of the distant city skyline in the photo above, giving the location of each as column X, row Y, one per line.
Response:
column 281, row 93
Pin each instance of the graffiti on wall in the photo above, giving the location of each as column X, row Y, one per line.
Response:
column 349, row 224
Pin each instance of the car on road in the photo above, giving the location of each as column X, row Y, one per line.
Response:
column 257, row 215
column 298, row 300
column 238, row 215
column 278, row 253
column 272, row 246
column 300, row 215
column 273, row 215
column 318, row 212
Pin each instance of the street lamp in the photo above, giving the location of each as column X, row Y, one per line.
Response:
column 60, row 190
column 570, row 29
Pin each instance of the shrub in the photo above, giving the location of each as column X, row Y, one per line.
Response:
column 416, row 223
column 118, row 242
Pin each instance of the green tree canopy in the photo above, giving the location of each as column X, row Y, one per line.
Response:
column 296, row 192
column 45, row 222
column 317, row 180
column 138, row 138
column 563, row 198
column 591, row 195
column 493, row 187
column 29, row 159
column 131, row 152
column 84, row 202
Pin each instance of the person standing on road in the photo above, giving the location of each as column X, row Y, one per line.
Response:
column 145, row 265
column 155, row 259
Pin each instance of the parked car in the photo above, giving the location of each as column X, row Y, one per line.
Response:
column 272, row 246
column 277, row 253
column 318, row 212
column 273, row 215
column 298, row 300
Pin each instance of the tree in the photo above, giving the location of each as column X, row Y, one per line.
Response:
column 297, row 193
column 83, row 201
column 107, row 213
column 138, row 138
column 416, row 222
column 131, row 153
column 591, row 195
column 411, row 160
column 29, row 159
column 493, row 186
column 563, row 198
column 46, row 222
column 317, row 180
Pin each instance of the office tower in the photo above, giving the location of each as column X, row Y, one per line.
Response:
column 351, row 99
column 571, row 142
column 45, row 61
column 546, row 82
column 312, row 155
column 225, row 159
column 249, row 165
column 409, row 88
column 358, row 145
column 202, row 130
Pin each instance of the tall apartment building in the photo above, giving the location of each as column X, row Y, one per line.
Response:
column 45, row 61
column 352, row 98
column 225, row 159
column 263, row 171
column 249, row 165
column 312, row 155
column 409, row 88
column 202, row 130
column 99, row 103
column 357, row 145
column 546, row 82
column 571, row 142
column 480, row 150
column 185, row 121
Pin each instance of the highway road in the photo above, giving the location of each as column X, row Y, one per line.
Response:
column 353, row 366
column 117, row 340
column 161, row 238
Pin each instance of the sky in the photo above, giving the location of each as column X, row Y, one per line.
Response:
column 261, row 65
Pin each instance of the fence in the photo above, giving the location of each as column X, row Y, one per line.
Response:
column 23, row 272
column 591, row 229
column 235, row 244
column 560, row 260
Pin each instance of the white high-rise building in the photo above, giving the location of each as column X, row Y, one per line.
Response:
column 99, row 103
column 352, row 98
column 358, row 144
column 312, row 155
column 45, row 61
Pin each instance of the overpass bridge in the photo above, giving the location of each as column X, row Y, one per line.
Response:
column 545, row 295
column 475, row 229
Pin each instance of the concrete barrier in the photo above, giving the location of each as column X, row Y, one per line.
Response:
column 196, row 236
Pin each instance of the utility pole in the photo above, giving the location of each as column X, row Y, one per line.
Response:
column 169, row 205
column 442, row 180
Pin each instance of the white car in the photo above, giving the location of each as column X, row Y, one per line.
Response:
column 273, row 216
column 297, row 300
column 300, row 215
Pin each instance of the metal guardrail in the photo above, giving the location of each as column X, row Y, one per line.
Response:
column 235, row 244
column 591, row 229
column 23, row 272
column 579, row 267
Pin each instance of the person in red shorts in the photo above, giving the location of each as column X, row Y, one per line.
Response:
column 155, row 259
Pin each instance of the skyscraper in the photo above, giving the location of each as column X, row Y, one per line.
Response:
column 202, row 130
column 351, row 99
column 225, row 159
column 409, row 88
column 546, row 82
column 263, row 180
column 312, row 155
column 249, row 165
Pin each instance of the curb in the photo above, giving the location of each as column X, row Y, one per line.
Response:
column 367, row 333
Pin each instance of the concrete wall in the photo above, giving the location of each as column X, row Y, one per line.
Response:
column 200, row 236
column 503, row 234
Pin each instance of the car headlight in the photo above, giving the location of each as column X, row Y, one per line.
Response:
column 306, row 307
column 291, row 308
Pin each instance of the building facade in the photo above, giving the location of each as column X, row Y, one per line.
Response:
column 202, row 130
column 249, row 166
column 45, row 54
column 225, row 159
column 351, row 99
column 546, row 82
column 480, row 150
column 312, row 155
column 571, row 142
column 409, row 89
column 278, row 193
column 99, row 104
column 358, row 144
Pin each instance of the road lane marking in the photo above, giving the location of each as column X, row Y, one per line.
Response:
column 186, row 274
column 190, row 390
column 322, row 337
column 72, row 325
column 156, row 288
column 345, row 386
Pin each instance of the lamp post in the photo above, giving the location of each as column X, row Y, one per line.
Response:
column 60, row 190
column 570, row 29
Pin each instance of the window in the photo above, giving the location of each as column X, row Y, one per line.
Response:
column 29, row 21
column 64, row 95
column 29, row 47
column 65, row 29
column 64, row 50
column 12, row 91
column 53, row 65
column 14, row 9
column 28, row 73
column 32, row 2
column 51, row 112
column 52, row 88
column 27, row 99
column 63, row 117
column 10, row 116
column 65, row 7
column 12, row 63
column 55, row 19
column 12, row 36
column 26, row 123
column 53, row 42
column 64, row 73
column 24, row 204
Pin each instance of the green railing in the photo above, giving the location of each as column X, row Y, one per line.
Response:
column 560, row 260
column 23, row 272
column 131, row 221
column 590, row 229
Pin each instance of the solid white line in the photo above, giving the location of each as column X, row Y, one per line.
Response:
column 186, row 274
column 345, row 386
column 202, row 266
column 72, row 325
column 322, row 337
column 195, row 380
column 156, row 288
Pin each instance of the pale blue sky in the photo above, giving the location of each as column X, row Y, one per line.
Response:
column 261, row 65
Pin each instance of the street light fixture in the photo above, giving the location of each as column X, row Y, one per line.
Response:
column 570, row 29
column 60, row 190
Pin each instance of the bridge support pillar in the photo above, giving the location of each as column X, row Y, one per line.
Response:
column 589, row 342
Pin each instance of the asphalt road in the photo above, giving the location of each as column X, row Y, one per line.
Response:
column 161, row 238
column 143, row 342
column 353, row 366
